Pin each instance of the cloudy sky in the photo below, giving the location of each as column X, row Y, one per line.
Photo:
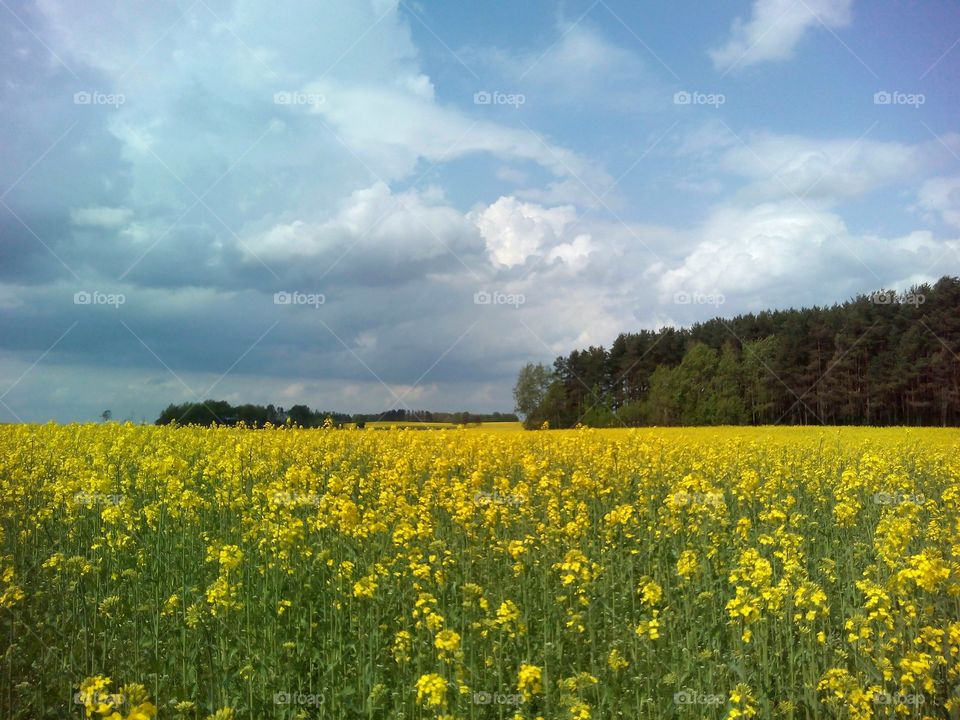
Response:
column 363, row 204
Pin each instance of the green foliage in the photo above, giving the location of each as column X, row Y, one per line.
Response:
column 694, row 381
column 632, row 414
column 530, row 393
column 663, row 405
column 600, row 417
column 728, row 390
column 882, row 359
column 220, row 412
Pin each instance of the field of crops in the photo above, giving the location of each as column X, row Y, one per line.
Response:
column 682, row 573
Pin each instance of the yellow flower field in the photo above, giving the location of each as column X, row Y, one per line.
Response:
column 658, row 573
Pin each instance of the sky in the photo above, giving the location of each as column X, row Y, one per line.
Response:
column 365, row 204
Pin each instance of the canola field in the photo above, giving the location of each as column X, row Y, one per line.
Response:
column 401, row 574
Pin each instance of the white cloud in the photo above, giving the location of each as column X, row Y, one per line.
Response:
column 941, row 196
column 787, row 249
column 99, row 216
column 418, row 84
column 775, row 28
column 571, row 190
column 511, row 175
column 515, row 230
column 748, row 250
column 413, row 393
column 391, row 149
column 365, row 341
column 374, row 222
column 574, row 254
column 582, row 66
column 293, row 391
column 827, row 170
column 200, row 91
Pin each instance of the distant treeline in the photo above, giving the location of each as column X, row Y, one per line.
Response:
column 223, row 413
column 412, row 416
column 882, row 359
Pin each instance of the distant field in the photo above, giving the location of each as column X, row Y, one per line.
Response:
column 486, row 427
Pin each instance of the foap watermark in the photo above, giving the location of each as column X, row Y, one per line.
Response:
column 698, row 298
column 494, row 498
column 495, row 97
column 482, row 697
column 96, row 97
column 698, row 98
column 886, row 97
column 884, row 698
column 694, row 697
column 495, row 297
column 298, row 97
column 97, row 498
column 898, row 498
column 299, row 298
column 98, row 698
column 889, row 297
column 96, row 297
column 698, row 498
column 289, row 498
column 298, row 698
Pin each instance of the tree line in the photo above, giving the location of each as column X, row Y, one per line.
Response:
column 886, row 358
column 220, row 412
column 432, row 416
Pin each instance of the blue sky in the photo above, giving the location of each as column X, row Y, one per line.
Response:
column 590, row 168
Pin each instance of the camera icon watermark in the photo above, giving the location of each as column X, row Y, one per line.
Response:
column 298, row 97
column 96, row 97
column 698, row 98
column 692, row 697
column 713, row 499
column 889, row 297
column 289, row 498
column 483, row 697
column 98, row 698
column 96, row 297
column 485, row 498
column 885, row 97
column 299, row 298
column 89, row 499
column 495, row 97
column 884, row 698
column 495, row 297
column 898, row 498
column 697, row 298
column 298, row 698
